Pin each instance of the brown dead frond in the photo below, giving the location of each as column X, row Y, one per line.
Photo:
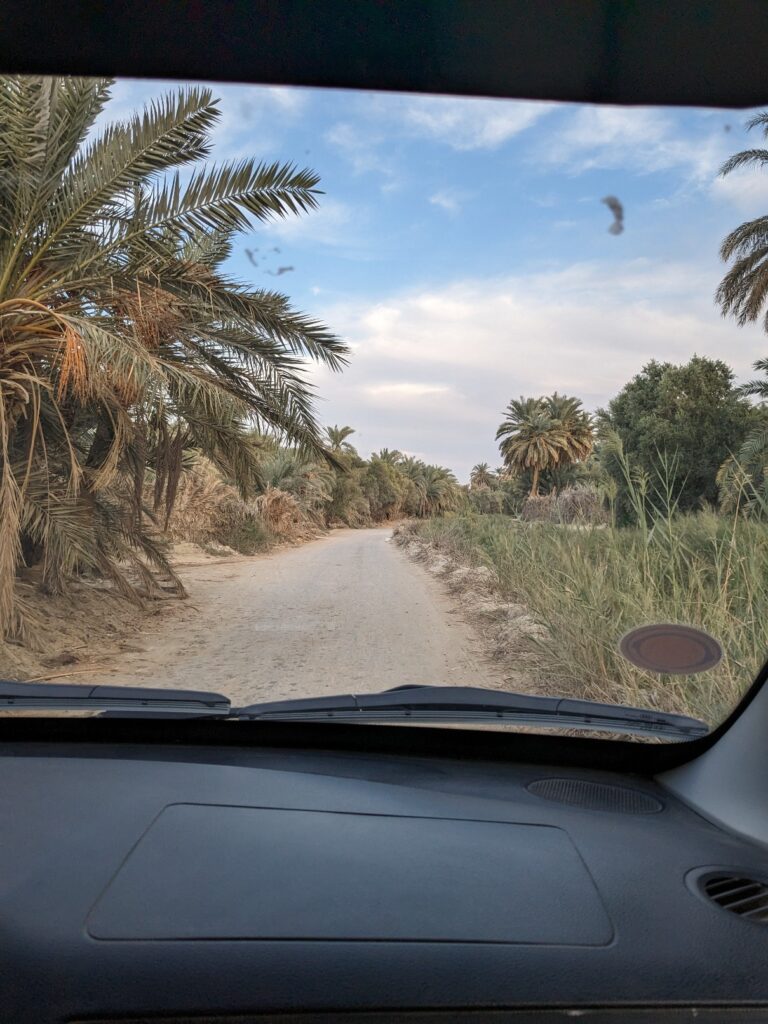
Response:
column 281, row 512
column 73, row 367
column 156, row 315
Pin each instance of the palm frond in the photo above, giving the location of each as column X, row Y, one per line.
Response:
column 122, row 344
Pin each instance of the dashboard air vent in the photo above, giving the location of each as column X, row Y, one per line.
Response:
column 595, row 796
column 743, row 896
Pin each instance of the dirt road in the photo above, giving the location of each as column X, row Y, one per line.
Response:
column 346, row 613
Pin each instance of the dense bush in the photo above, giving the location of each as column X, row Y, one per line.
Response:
column 486, row 501
column 588, row 587
column 575, row 505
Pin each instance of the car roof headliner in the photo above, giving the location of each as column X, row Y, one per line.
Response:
column 694, row 52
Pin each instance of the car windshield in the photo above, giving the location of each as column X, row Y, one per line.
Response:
column 445, row 410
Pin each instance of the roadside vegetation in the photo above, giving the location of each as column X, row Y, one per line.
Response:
column 654, row 509
column 294, row 496
column 587, row 584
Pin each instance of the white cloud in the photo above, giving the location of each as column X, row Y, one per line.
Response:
column 468, row 123
column 449, row 199
column 636, row 138
column 746, row 190
column 406, row 389
column 433, row 369
column 361, row 145
column 253, row 117
column 368, row 140
column 331, row 224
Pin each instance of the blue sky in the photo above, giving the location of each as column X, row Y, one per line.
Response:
column 462, row 250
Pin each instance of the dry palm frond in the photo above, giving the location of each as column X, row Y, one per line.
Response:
column 280, row 511
column 74, row 377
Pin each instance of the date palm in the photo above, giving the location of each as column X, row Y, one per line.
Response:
column 576, row 425
column 481, row 476
column 742, row 480
column 531, row 439
column 744, row 289
column 433, row 489
column 337, row 439
column 123, row 342
column 544, row 434
column 390, row 455
column 441, row 490
column 757, row 387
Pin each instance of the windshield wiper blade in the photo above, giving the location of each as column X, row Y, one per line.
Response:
column 429, row 704
column 118, row 700
column 468, row 704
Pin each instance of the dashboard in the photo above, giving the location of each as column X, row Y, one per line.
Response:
column 237, row 884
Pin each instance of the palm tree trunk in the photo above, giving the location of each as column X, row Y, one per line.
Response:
column 535, row 483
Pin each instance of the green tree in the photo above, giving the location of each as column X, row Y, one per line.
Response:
column 743, row 478
column 743, row 291
column 689, row 416
column 578, row 432
column 337, row 439
column 481, row 476
column 384, row 486
column 441, row 490
column 122, row 341
column 390, row 455
column 310, row 482
column 432, row 490
column 759, row 386
column 540, row 434
column 486, row 501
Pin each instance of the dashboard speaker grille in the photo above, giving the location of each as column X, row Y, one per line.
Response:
column 595, row 796
column 743, row 896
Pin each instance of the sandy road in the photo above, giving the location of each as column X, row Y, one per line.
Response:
column 346, row 613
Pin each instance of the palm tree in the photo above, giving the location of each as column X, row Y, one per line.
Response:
column 742, row 479
column 545, row 434
column 123, row 343
column 337, row 439
column 441, row 490
column 743, row 290
column 390, row 455
column 310, row 482
column 531, row 439
column 577, row 427
column 758, row 388
column 481, row 476
column 434, row 489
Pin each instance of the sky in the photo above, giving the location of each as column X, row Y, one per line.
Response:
column 462, row 250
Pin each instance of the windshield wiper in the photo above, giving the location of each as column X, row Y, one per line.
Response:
column 431, row 704
column 467, row 704
column 117, row 700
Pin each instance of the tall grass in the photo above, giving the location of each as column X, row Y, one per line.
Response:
column 588, row 585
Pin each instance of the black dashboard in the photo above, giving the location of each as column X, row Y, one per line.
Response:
column 140, row 884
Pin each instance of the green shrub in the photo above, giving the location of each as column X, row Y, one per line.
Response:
column 486, row 501
column 249, row 536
